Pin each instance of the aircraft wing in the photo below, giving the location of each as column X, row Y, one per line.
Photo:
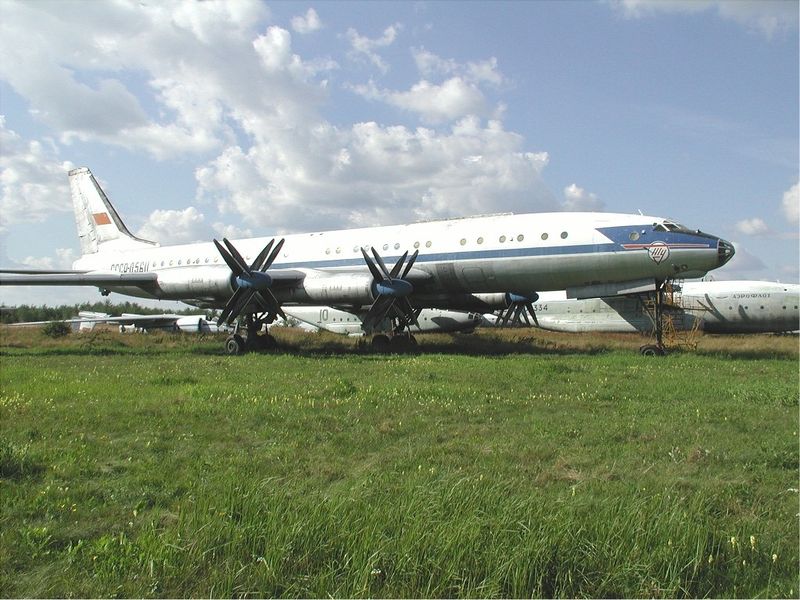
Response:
column 98, row 278
column 157, row 320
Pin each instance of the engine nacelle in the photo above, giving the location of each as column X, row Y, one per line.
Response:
column 335, row 289
column 200, row 281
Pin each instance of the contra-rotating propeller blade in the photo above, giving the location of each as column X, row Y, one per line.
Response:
column 390, row 289
column 252, row 280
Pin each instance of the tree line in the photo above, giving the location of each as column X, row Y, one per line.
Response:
column 25, row 313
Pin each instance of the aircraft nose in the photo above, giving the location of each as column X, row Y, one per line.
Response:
column 725, row 251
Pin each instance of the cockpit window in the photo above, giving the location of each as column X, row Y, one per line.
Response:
column 668, row 226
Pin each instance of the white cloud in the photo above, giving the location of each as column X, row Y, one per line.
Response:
column 453, row 99
column 63, row 260
column 175, row 227
column 754, row 226
column 212, row 78
column 308, row 23
column 767, row 17
column 208, row 66
column 458, row 95
column 430, row 64
column 364, row 48
column 577, row 199
column 791, row 204
column 369, row 175
column 33, row 182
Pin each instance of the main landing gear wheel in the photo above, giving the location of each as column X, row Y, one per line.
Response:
column 260, row 342
column 380, row 343
column 398, row 344
column 234, row 345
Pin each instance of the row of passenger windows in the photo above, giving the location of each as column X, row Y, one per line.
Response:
column 356, row 249
column 502, row 239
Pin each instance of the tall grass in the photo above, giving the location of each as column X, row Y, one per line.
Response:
column 158, row 467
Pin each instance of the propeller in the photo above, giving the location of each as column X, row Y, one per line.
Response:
column 391, row 290
column 252, row 282
column 519, row 307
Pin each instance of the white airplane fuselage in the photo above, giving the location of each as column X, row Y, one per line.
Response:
column 524, row 253
column 714, row 306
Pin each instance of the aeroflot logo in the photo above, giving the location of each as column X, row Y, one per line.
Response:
column 658, row 252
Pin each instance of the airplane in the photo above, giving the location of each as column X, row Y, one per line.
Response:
column 131, row 322
column 712, row 306
column 451, row 263
column 351, row 323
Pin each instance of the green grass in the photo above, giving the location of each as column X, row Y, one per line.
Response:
column 511, row 465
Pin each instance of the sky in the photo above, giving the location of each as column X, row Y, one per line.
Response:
column 244, row 118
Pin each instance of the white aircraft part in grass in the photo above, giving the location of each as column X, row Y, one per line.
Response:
column 127, row 322
column 429, row 320
column 716, row 306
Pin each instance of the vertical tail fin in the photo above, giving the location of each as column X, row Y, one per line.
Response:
column 97, row 220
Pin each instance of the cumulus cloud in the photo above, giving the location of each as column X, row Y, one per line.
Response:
column 754, row 226
column 307, row 23
column 369, row 175
column 453, row 99
column 791, row 204
column 577, row 199
column 33, row 182
column 365, row 49
column 430, row 64
column 457, row 95
column 767, row 17
column 211, row 79
column 63, row 260
column 175, row 227
column 206, row 65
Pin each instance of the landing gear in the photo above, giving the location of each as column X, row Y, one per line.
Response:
column 657, row 315
column 652, row 350
column 255, row 341
column 399, row 343
column 234, row 345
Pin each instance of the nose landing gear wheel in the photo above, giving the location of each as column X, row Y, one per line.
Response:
column 652, row 350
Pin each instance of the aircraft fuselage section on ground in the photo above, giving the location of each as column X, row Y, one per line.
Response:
column 714, row 306
column 498, row 253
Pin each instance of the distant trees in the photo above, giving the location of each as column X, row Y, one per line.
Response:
column 25, row 313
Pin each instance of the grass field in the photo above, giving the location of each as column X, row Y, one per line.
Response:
column 500, row 464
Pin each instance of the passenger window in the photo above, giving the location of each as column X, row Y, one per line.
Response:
column 544, row 236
